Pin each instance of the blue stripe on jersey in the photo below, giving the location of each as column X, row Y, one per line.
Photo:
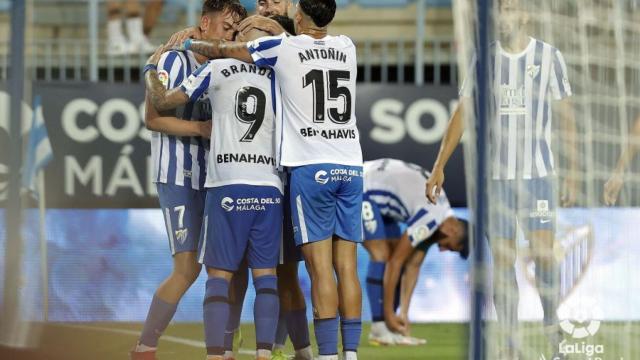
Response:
column 202, row 163
column 265, row 45
column 187, row 161
column 203, row 86
column 403, row 209
column 171, row 171
column 417, row 216
column 160, row 157
column 432, row 224
column 535, row 98
column 559, row 73
column 266, row 62
column 168, row 65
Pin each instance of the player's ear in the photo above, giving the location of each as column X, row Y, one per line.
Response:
column 205, row 22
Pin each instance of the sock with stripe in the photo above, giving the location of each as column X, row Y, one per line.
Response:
column 326, row 331
column 158, row 318
column 298, row 328
column 216, row 312
column 237, row 291
column 375, row 293
column 351, row 329
column 265, row 312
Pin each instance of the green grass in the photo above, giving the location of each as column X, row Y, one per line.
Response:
column 109, row 341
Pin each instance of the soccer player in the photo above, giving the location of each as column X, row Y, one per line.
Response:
column 613, row 186
column 390, row 188
column 319, row 144
column 529, row 76
column 179, row 148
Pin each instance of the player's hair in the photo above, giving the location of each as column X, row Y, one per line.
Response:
column 320, row 11
column 212, row 6
column 286, row 23
column 464, row 253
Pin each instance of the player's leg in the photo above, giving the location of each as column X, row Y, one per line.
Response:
column 293, row 310
column 222, row 252
column 540, row 230
column 379, row 252
column 183, row 209
column 263, row 255
column 502, row 235
column 237, row 291
column 138, row 41
column 116, row 41
column 313, row 205
column 348, row 230
column 151, row 14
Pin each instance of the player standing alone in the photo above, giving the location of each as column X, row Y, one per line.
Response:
column 528, row 75
column 320, row 146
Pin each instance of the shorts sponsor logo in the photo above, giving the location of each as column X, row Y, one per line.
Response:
column 321, row 177
column 227, row 204
column 181, row 235
column 542, row 211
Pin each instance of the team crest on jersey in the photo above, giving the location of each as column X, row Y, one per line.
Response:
column 533, row 71
column 181, row 235
column 163, row 76
column 420, row 233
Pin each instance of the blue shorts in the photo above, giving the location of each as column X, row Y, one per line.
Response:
column 529, row 203
column 242, row 220
column 377, row 226
column 326, row 200
column 289, row 252
column 183, row 209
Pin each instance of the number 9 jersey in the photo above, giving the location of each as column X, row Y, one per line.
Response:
column 242, row 139
column 315, row 102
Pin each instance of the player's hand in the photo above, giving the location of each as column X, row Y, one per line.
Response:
column 179, row 38
column 261, row 23
column 407, row 324
column 155, row 57
column 434, row 185
column 204, row 129
column 612, row 189
column 569, row 193
column 395, row 323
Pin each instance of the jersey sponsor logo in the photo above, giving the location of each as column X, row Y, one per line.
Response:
column 163, row 76
column 321, row 177
column 245, row 158
column 512, row 100
column 181, row 235
column 329, row 134
column 371, row 226
column 533, row 71
column 227, row 204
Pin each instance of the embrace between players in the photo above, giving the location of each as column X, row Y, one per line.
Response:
column 283, row 179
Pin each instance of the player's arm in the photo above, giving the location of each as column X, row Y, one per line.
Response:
column 450, row 141
column 570, row 140
column 168, row 123
column 613, row 186
column 262, row 23
column 391, row 277
column 409, row 281
column 215, row 49
column 158, row 93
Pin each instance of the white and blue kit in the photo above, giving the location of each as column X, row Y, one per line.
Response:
column 521, row 159
column 393, row 196
column 318, row 140
column 179, row 163
column 243, row 214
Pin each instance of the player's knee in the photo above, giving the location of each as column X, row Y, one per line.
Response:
column 187, row 275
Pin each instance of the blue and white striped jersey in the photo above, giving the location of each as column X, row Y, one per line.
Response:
column 242, row 141
column 181, row 160
column 524, row 86
column 315, row 102
column 397, row 188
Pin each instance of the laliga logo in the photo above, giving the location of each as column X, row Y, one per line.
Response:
column 321, row 177
column 581, row 322
column 227, row 204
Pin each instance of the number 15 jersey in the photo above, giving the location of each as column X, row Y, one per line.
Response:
column 242, row 139
column 315, row 102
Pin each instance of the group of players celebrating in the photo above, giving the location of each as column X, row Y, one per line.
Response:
column 258, row 166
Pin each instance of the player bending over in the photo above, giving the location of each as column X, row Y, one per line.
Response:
column 179, row 148
column 320, row 146
column 390, row 188
column 244, row 196
column 529, row 76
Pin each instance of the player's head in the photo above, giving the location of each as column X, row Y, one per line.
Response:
column 314, row 14
column 454, row 236
column 512, row 17
column 219, row 18
column 254, row 33
column 273, row 7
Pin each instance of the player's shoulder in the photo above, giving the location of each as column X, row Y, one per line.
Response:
column 342, row 40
